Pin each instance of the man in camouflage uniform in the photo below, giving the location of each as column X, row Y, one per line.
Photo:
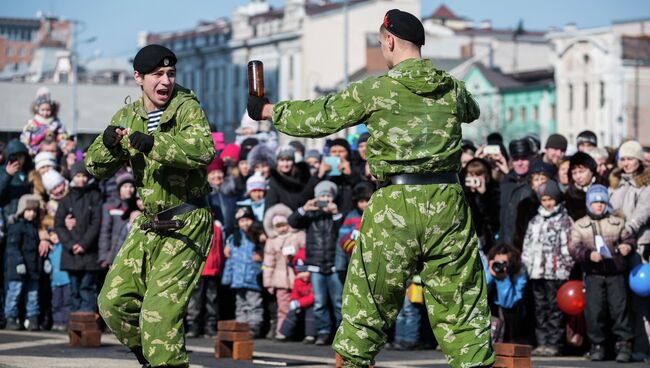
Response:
column 147, row 288
column 419, row 221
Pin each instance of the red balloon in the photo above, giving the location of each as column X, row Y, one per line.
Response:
column 571, row 298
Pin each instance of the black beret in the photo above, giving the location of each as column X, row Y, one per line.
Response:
column 405, row 26
column 151, row 57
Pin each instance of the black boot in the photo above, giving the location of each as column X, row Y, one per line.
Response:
column 140, row 356
column 597, row 353
column 623, row 351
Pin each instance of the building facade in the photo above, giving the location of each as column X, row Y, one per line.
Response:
column 603, row 81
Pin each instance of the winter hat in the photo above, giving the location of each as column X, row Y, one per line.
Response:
column 27, row 202
column 51, row 180
column 287, row 152
column 598, row 153
column 261, row 154
column 541, row 167
column 363, row 138
column 230, row 151
column 495, row 138
column 216, row 164
column 362, row 190
column 247, row 122
column 341, row 142
column 534, row 140
column 255, row 182
column 551, row 189
column 244, row 212
column 557, row 141
column 520, row 148
column 43, row 159
column 124, row 178
column 79, row 168
column 43, row 99
column 325, row 187
column 313, row 153
column 279, row 219
column 598, row 193
column 582, row 159
column 246, row 146
column 298, row 261
column 587, row 136
column 631, row 149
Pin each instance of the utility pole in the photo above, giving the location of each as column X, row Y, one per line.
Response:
column 74, row 64
column 345, row 43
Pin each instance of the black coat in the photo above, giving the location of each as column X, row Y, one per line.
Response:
column 85, row 205
column 22, row 248
column 485, row 213
column 322, row 233
column 513, row 191
column 291, row 190
column 13, row 187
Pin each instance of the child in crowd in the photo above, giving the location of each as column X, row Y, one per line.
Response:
column 43, row 124
column 321, row 218
column 255, row 190
column 81, row 209
column 349, row 231
column 23, row 265
column 60, row 286
column 547, row 259
column 283, row 243
column 202, row 307
column 506, row 280
column 600, row 242
column 241, row 271
column 301, row 304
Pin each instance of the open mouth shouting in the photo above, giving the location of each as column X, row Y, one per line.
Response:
column 163, row 94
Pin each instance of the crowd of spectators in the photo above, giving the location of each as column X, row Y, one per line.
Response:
column 286, row 220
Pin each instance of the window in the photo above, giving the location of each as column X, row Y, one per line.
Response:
column 10, row 51
column 602, row 94
column 21, row 51
column 553, row 112
column 522, row 114
column 510, row 114
column 535, row 116
column 586, row 87
column 570, row 97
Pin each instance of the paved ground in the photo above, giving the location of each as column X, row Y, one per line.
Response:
column 50, row 349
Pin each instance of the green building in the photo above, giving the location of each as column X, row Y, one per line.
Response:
column 512, row 104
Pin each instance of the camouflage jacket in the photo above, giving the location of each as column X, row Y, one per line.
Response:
column 175, row 171
column 413, row 114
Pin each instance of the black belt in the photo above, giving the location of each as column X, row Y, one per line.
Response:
column 182, row 208
column 421, row 179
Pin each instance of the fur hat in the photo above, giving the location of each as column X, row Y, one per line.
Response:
column 551, row 189
column 51, row 180
column 325, row 187
column 27, row 202
column 582, row 159
column 286, row 152
column 520, row 148
column 261, row 154
column 43, row 159
column 255, row 182
column 631, row 149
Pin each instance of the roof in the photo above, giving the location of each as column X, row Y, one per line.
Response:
column 23, row 22
column 310, row 9
column 112, row 64
column 204, row 28
column 496, row 78
column 443, row 12
column 503, row 33
column 636, row 48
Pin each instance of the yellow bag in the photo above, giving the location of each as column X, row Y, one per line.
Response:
column 415, row 293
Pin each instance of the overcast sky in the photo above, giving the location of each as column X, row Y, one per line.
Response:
column 117, row 23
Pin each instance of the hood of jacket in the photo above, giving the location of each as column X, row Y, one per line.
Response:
column 421, row 77
column 15, row 146
column 278, row 209
column 617, row 177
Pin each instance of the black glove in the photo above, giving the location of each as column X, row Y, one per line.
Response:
column 142, row 142
column 110, row 136
column 255, row 106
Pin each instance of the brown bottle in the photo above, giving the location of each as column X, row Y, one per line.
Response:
column 256, row 78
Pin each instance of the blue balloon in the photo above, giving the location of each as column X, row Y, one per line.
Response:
column 640, row 280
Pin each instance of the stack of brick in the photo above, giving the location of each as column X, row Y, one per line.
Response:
column 512, row 356
column 233, row 341
column 83, row 330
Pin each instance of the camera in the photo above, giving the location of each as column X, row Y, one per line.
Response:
column 499, row 267
column 321, row 204
column 472, row 182
column 492, row 149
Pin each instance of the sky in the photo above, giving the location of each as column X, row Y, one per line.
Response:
column 115, row 24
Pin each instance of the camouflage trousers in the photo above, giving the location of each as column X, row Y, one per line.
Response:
column 148, row 286
column 410, row 229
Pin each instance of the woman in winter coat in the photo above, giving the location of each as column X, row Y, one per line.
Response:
column 114, row 217
column 79, row 255
column 290, row 183
column 582, row 175
column 482, row 193
column 630, row 194
column 283, row 243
